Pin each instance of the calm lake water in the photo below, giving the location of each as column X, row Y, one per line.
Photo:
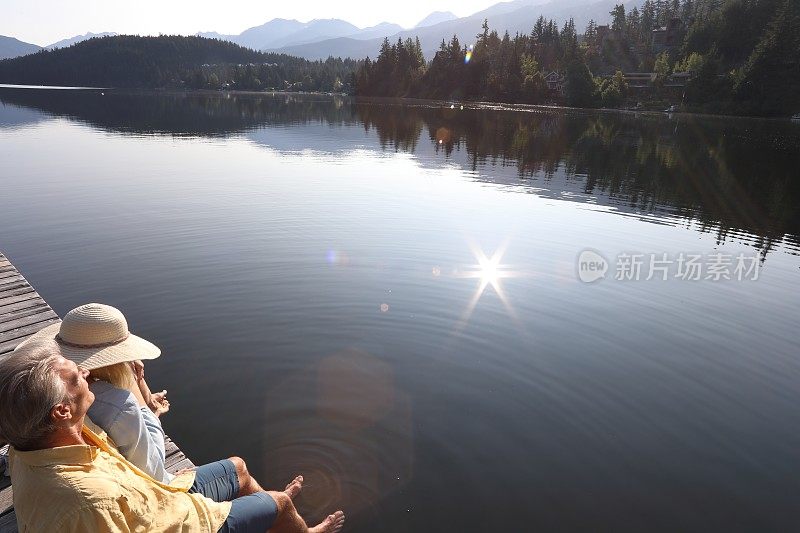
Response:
column 313, row 271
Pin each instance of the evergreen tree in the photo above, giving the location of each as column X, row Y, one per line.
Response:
column 618, row 18
column 579, row 86
column 687, row 11
column 569, row 41
column 675, row 9
column 662, row 12
column 591, row 32
column 649, row 21
column 537, row 34
column 484, row 35
column 633, row 25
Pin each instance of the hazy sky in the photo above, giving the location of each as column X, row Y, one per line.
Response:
column 45, row 21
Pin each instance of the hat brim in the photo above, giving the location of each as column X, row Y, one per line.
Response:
column 131, row 349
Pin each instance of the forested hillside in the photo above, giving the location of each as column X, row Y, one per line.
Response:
column 171, row 61
column 728, row 56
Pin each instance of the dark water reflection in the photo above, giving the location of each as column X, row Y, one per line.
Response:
column 304, row 261
column 728, row 174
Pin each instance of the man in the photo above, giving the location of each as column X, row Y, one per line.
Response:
column 68, row 477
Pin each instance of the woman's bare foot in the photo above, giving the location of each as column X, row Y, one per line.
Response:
column 294, row 488
column 332, row 524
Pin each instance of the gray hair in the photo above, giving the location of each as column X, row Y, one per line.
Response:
column 30, row 387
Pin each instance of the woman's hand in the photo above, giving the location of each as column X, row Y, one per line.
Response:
column 138, row 369
column 159, row 403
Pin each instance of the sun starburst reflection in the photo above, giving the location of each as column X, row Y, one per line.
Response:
column 489, row 271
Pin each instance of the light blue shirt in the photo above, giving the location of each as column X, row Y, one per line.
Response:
column 134, row 429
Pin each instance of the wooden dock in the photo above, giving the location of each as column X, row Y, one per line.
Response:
column 22, row 313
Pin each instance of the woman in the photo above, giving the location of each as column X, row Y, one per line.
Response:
column 127, row 411
column 96, row 337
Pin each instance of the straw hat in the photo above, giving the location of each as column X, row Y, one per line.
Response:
column 94, row 336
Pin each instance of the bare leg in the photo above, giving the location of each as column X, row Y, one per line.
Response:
column 247, row 483
column 289, row 521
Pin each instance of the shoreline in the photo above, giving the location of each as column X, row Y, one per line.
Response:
column 407, row 101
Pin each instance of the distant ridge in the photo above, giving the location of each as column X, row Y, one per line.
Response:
column 63, row 43
column 384, row 29
column 279, row 32
column 319, row 39
column 11, row 47
column 435, row 18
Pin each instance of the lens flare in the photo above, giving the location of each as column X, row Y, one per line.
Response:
column 489, row 271
column 337, row 258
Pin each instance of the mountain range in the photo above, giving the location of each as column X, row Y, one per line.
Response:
column 516, row 16
column 321, row 38
column 11, row 47
column 63, row 43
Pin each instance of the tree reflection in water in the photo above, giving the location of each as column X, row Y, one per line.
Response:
column 736, row 177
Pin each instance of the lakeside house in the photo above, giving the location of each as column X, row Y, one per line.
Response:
column 555, row 82
column 679, row 79
column 606, row 34
column 639, row 80
column 647, row 80
column 668, row 38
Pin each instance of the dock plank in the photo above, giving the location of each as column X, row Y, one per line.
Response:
column 23, row 297
column 180, row 465
column 18, row 292
column 7, row 501
column 21, row 305
column 13, row 284
column 29, row 320
column 11, row 287
column 10, row 339
column 8, row 522
column 6, row 495
column 23, row 317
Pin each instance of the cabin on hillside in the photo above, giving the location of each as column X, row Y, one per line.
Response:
column 602, row 32
column 639, row 80
column 555, row 82
column 668, row 38
column 679, row 79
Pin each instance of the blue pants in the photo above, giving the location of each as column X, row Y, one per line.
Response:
column 249, row 514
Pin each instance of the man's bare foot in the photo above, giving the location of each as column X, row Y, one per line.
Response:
column 332, row 524
column 293, row 488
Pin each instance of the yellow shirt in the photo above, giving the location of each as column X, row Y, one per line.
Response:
column 92, row 488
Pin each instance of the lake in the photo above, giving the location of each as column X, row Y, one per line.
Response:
column 446, row 319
